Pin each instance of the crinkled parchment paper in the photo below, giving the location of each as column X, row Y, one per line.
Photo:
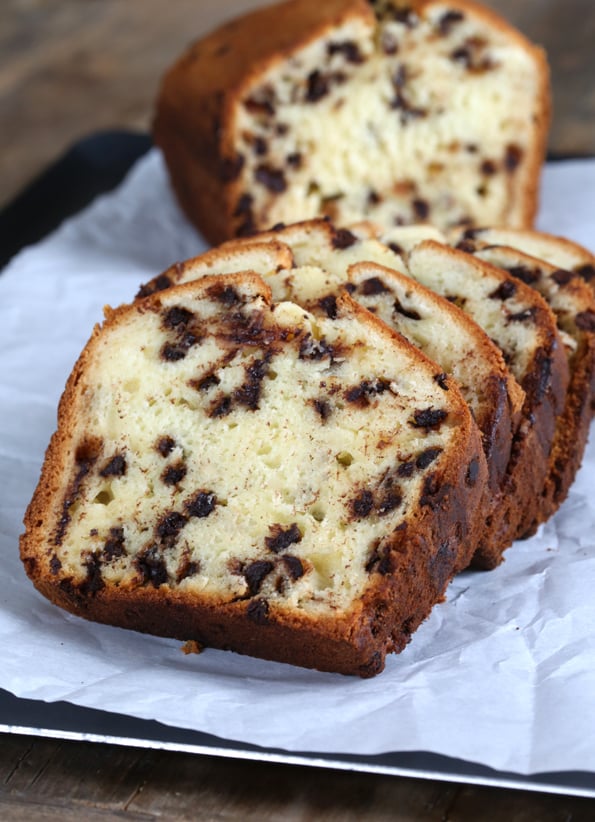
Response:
column 503, row 673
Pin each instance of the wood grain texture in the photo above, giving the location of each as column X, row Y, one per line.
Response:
column 51, row 780
column 70, row 68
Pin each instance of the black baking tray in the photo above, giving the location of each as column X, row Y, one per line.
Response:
column 91, row 167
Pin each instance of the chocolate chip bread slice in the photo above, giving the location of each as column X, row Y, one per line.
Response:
column 517, row 318
column 572, row 303
column 245, row 475
column 262, row 256
column 556, row 251
column 399, row 112
column 328, row 259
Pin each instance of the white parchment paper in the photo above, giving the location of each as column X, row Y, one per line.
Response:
column 502, row 674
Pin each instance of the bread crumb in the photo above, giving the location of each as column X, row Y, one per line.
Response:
column 192, row 647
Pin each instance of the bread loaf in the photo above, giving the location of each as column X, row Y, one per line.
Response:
column 399, row 112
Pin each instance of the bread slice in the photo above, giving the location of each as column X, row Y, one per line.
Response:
column 398, row 112
column 572, row 303
column 263, row 256
column 328, row 259
column 519, row 321
column 239, row 473
column 556, row 251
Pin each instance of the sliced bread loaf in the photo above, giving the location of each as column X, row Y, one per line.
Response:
column 399, row 112
column 243, row 474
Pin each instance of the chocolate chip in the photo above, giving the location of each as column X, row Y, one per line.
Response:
column 488, row 167
column 348, row 49
column 294, row 566
column 165, row 446
column 258, row 611
column 201, row 505
column 317, row 86
column 94, row 581
column 421, row 209
column 360, row 394
column 561, row 276
column 329, row 306
column 521, row 316
column 311, row 349
column 526, row 274
column 116, row 467
column 231, row 168
column 260, row 146
column 391, row 500
column 448, row 20
column 152, row 567
column 187, row 568
column 400, row 101
column 442, row 380
column 512, row 157
column 294, row 160
column 255, row 574
column 172, row 352
column 170, row 525
column 224, row 294
column 248, row 393
column 160, row 283
column 281, row 538
column 55, row 565
column 322, row 408
column 362, row 504
column 174, row 474
column 176, row 316
column 380, row 561
column 406, row 469
column 244, row 205
column 427, row 457
column 114, row 544
column 428, row 417
column 210, row 381
column 398, row 308
column 586, row 271
column 271, row 178
column 505, row 290
column 373, row 286
column 468, row 246
column 405, row 15
column 343, row 238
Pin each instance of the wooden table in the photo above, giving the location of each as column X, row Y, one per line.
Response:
column 70, row 68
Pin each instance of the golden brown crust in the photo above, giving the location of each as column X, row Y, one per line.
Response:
column 195, row 109
column 544, row 382
column 406, row 579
